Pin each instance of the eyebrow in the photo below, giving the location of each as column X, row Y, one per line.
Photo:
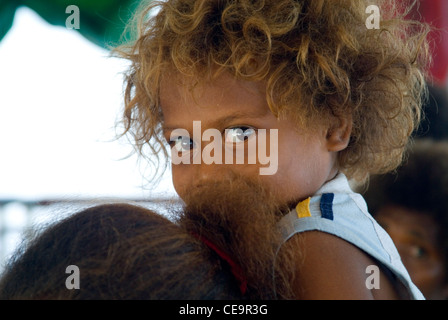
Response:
column 417, row 234
column 226, row 120
column 223, row 121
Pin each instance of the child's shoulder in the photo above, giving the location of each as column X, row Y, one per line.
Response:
column 340, row 244
column 332, row 268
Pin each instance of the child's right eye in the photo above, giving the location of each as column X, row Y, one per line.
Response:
column 182, row 144
column 239, row 134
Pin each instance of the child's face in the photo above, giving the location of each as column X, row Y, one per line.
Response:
column 237, row 109
column 415, row 236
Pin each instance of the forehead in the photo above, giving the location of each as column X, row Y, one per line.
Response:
column 416, row 223
column 182, row 96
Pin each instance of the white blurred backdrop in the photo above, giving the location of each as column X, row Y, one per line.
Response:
column 60, row 97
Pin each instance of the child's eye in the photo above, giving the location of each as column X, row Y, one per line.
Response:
column 238, row 134
column 182, row 144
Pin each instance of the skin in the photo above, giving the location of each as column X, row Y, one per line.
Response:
column 415, row 235
column 306, row 160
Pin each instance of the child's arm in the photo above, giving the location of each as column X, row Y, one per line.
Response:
column 332, row 268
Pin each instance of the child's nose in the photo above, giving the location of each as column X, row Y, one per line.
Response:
column 211, row 172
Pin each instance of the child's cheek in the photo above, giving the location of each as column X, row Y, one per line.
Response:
column 180, row 177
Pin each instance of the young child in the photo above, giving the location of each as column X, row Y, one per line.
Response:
column 329, row 94
column 411, row 206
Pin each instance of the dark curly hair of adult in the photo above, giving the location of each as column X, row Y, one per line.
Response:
column 223, row 245
column 123, row 252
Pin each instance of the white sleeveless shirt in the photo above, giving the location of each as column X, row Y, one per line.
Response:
column 337, row 210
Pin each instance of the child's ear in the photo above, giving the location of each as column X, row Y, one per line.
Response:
column 338, row 135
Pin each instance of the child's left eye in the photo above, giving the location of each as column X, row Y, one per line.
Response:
column 238, row 134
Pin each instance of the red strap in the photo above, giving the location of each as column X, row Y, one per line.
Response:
column 237, row 271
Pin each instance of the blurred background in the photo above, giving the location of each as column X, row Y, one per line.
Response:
column 60, row 96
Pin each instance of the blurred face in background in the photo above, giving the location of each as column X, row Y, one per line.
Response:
column 415, row 235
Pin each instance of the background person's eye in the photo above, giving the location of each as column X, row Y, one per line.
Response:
column 238, row 134
column 182, row 144
column 418, row 252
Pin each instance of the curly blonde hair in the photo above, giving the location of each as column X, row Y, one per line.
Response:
column 318, row 59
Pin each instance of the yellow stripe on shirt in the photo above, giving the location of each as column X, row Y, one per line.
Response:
column 303, row 208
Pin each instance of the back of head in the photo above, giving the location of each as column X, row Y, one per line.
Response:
column 420, row 186
column 122, row 252
column 435, row 121
column 421, row 182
